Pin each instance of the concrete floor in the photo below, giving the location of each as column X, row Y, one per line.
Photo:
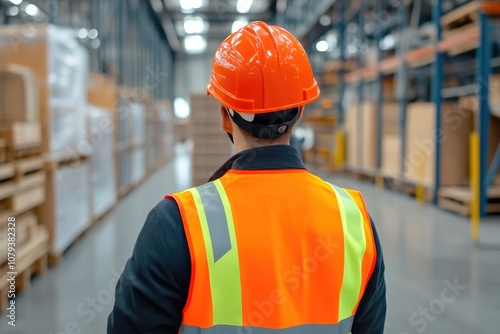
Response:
column 426, row 250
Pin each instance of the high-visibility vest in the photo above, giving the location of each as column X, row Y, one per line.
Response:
column 275, row 252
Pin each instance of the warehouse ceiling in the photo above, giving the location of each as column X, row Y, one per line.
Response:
column 192, row 24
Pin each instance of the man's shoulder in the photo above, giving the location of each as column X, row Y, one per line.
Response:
column 167, row 210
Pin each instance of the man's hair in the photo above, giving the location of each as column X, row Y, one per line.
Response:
column 266, row 126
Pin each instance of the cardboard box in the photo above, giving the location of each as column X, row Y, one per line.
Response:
column 361, row 135
column 59, row 64
column 391, row 155
column 20, row 135
column 18, row 94
column 421, row 138
column 102, row 91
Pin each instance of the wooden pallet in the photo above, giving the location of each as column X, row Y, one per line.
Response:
column 459, row 20
column 410, row 188
column 361, row 174
column 459, row 199
column 31, row 258
column 3, row 151
column 22, row 185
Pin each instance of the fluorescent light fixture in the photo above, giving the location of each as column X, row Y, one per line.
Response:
column 13, row 11
column 190, row 5
column 181, row 107
column 31, row 10
column 325, row 20
column 83, row 33
column 93, row 33
column 388, row 42
column 16, row 2
column 243, row 6
column 322, row 46
column 194, row 25
column 238, row 24
column 195, row 44
column 95, row 44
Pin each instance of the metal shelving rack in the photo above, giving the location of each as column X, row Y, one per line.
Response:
column 349, row 11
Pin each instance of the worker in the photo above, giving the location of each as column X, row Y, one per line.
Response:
column 265, row 246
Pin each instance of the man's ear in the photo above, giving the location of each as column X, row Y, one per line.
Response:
column 227, row 126
column 301, row 112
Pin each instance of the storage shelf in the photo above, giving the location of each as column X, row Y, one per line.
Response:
column 462, row 52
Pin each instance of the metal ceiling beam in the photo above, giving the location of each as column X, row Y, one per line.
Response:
column 214, row 16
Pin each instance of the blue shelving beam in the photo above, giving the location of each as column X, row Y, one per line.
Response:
column 360, row 86
column 437, row 85
column 403, row 103
column 341, row 25
column 379, row 92
column 484, row 53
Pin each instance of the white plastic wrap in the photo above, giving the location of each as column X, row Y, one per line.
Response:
column 60, row 64
column 124, row 178
column 123, row 112
column 137, row 165
column 68, row 68
column 71, row 204
column 137, row 121
column 103, row 162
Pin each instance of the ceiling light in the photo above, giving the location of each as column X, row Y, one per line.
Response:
column 181, row 107
column 237, row 24
column 195, row 43
column 190, row 5
column 16, row 2
column 32, row 10
column 243, row 6
column 388, row 42
column 93, row 34
column 325, row 20
column 194, row 25
column 322, row 46
column 13, row 11
column 83, row 33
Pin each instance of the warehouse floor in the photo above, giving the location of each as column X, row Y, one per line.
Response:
column 437, row 281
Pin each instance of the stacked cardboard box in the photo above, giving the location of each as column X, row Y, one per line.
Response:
column 131, row 139
column 102, row 112
column 421, row 139
column 18, row 94
column 211, row 145
column 22, row 179
column 59, row 64
column 391, row 140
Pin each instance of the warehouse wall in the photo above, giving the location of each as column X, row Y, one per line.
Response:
column 192, row 75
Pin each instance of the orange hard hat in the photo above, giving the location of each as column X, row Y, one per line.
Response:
column 262, row 68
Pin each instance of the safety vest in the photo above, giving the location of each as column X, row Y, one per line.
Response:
column 275, row 252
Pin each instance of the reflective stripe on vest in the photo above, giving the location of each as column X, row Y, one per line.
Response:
column 222, row 251
column 353, row 234
column 229, row 284
column 343, row 327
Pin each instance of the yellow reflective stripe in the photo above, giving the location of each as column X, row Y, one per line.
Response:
column 223, row 267
column 343, row 327
column 354, row 251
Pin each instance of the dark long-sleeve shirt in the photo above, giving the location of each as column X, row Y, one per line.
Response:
column 153, row 289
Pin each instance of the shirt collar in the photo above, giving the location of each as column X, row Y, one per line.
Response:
column 263, row 158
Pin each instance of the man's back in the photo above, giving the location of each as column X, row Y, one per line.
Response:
column 287, row 228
